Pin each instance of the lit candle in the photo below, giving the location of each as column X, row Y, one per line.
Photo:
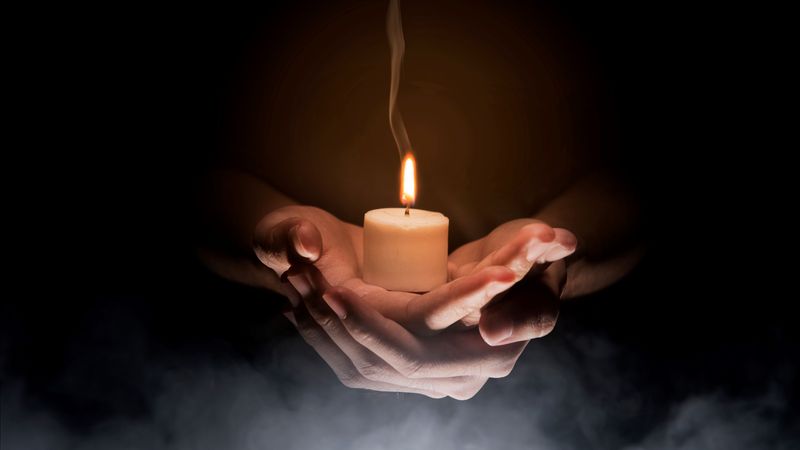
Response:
column 405, row 249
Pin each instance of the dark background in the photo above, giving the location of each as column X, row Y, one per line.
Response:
column 129, row 108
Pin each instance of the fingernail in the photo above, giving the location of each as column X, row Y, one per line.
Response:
column 496, row 287
column 335, row 305
column 497, row 328
column 297, row 240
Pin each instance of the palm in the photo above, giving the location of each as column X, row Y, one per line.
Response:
column 341, row 265
column 525, row 246
column 478, row 271
column 373, row 338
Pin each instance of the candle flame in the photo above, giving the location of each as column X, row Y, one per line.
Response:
column 408, row 192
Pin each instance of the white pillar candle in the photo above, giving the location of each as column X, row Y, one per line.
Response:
column 405, row 251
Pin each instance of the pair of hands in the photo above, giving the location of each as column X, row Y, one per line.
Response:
column 503, row 291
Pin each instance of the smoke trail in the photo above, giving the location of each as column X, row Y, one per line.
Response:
column 397, row 45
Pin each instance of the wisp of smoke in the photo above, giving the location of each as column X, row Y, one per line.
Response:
column 566, row 392
column 397, row 45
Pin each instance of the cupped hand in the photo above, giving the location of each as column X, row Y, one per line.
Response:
column 374, row 338
column 302, row 234
column 534, row 252
column 367, row 350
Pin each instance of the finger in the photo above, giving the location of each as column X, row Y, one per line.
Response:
column 567, row 243
column 289, row 291
column 306, row 279
column 464, row 269
column 452, row 270
column 341, row 365
column 483, row 359
column 536, row 243
column 519, row 254
column 372, row 367
column 293, row 240
column 458, row 301
column 530, row 311
column 447, row 304
column 469, row 392
column 462, row 353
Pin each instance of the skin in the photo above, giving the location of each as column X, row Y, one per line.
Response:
column 510, row 134
column 504, row 290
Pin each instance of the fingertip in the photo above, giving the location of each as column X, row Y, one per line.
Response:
column 495, row 328
column 566, row 238
column 556, row 253
column 564, row 245
column 534, row 327
column 539, row 231
column 306, row 240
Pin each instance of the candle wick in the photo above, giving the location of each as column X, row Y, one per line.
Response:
column 408, row 205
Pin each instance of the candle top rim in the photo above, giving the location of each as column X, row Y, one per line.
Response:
column 396, row 216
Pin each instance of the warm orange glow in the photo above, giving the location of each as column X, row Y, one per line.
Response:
column 408, row 178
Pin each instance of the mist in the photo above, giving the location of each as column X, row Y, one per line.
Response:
column 114, row 340
column 572, row 389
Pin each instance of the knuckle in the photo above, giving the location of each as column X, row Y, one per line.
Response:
column 464, row 394
column 327, row 321
column 542, row 325
column 352, row 379
column 436, row 395
column 502, row 369
column 363, row 335
column 371, row 370
column 413, row 368
column 312, row 335
column 469, row 389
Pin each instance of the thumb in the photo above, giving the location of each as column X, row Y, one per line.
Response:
column 290, row 241
column 528, row 312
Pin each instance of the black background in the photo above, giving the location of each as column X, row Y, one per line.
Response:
column 127, row 108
